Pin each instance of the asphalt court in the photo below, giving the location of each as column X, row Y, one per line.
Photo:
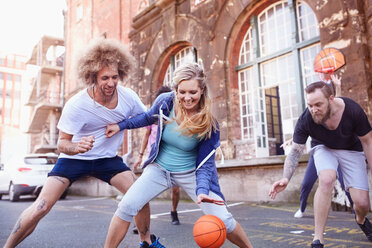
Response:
column 85, row 222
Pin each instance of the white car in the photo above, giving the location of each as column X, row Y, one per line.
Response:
column 26, row 176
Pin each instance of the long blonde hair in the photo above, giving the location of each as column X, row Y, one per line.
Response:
column 203, row 123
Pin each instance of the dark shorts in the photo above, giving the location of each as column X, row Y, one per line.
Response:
column 103, row 168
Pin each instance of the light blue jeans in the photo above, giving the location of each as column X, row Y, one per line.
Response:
column 155, row 180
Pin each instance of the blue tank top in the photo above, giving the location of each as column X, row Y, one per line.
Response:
column 177, row 152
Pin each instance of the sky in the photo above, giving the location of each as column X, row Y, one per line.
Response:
column 24, row 22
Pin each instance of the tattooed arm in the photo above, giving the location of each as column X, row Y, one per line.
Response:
column 66, row 146
column 291, row 162
column 290, row 165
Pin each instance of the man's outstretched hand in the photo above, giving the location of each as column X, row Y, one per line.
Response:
column 278, row 187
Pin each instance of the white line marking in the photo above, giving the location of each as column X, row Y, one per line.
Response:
column 91, row 199
column 154, row 216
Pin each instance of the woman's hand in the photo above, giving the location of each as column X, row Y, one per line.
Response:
column 204, row 198
column 337, row 82
column 111, row 130
column 138, row 163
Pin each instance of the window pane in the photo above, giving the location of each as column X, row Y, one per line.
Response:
column 246, row 84
column 168, row 77
column 278, row 72
column 307, row 23
column 274, row 28
column 307, row 55
column 246, row 48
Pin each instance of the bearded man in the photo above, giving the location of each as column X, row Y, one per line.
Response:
column 340, row 132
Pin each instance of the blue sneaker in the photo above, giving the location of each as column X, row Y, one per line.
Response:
column 155, row 243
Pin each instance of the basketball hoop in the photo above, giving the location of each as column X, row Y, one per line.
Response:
column 327, row 61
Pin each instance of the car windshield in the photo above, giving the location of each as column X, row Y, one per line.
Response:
column 45, row 160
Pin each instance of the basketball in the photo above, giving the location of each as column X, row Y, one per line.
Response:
column 209, row 231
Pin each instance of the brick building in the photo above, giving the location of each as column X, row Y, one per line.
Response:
column 46, row 94
column 85, row 20
column 12, row 69
column 258, row 56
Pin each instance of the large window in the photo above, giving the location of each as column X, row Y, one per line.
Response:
column 274, row 67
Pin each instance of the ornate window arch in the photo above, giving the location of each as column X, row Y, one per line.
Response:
column 274, row 67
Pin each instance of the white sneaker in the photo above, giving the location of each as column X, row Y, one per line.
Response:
column 298, row 214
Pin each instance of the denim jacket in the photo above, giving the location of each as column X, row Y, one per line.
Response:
column 206, row 171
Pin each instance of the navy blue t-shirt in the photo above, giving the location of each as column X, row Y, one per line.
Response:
column 354, row 122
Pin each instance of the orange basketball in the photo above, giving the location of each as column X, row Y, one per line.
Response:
column 329, row 60
column 209, row 231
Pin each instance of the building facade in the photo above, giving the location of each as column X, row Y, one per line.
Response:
column 258, row 56
column 86, row 20
column 46, row 94
column 12, row 69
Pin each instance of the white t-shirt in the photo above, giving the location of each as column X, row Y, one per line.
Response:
column 81, row 117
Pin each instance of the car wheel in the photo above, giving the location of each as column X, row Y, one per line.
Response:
column 1, row 196
column 13, row 195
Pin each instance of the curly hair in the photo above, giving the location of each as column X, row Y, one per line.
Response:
column 203, row 123
column 102, row 53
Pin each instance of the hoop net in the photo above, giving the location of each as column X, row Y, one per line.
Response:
column 325, row 77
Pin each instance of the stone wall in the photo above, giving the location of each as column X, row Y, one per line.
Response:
column 240, row 180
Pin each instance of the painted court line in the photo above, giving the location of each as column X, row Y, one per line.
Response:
column 154, row 216
column 84, row 200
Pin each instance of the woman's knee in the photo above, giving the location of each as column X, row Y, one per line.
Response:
column 229, row 221
column 127, row 209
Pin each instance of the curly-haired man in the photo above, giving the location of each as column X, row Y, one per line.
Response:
column 83, row 146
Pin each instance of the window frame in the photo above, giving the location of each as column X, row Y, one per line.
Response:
column 256, row 60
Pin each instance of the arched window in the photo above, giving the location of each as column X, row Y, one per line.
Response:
column 274, row 67
column 186, row 55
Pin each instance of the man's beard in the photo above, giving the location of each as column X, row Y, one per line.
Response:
column 326, row 116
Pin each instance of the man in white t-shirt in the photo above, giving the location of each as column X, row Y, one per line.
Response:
column 83, row 146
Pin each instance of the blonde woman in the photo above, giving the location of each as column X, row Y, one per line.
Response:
column 183, row 155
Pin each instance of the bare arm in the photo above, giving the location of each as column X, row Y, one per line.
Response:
column 337, row 82
column 143, row 148
column 366, row 141
column 291, row 162
column 65, row 144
